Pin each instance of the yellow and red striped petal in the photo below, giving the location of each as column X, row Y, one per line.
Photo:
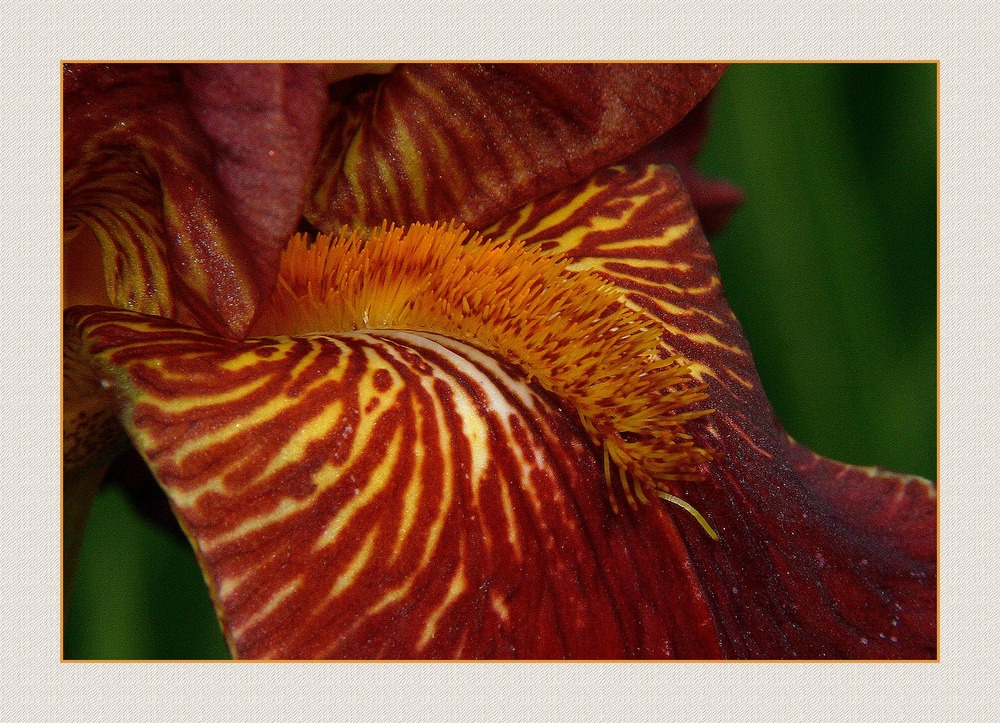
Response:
column 471, row 141
column 163, row 218
column 636, row 228
column 714, row 199
column 390, row 494
column 569, row 331
column 114, row 199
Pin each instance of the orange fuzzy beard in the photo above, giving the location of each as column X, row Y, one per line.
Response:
column 569, row 331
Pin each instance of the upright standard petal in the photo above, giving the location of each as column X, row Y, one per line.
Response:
column 713, row 199
column 470, row 141
column 140, row 179
column 264, row 122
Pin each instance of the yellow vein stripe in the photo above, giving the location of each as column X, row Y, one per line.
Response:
column 363, row 494
column 432, row 533
column 269, row 606
column 356, row 565
column 455, row 588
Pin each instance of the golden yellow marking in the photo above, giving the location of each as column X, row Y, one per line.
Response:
column 708, row 315
column 411, row 502
column 588, row 263
column 315, row 349
column 373, row 364
column 413, row 163
column 515, row 229
column 363, row 495
column 474, row 430
column 250, row 358
column 284, row 508
column 565, row 212
column 393, row 596
column 186, row 404
column 110, row 201
column 702, row 338
column 524, row 481
column 295, row 448
column 412, row 495
column 432, row 96
column 260, row 415
column 700, row 371
column 447, row 479
column 668, row 237
column 442, row 152
column 499, row 606
column 269, row 607
column 665, row 306
column 455, row 588
column 709, row 288
column 573, row 238
column 253, row 418
column 352, row 163
column 738, row 379
column 189, row 499
column 568, row 330
column 386, row 177
column 447, row 470
column 739, row 430
column 229, row 585
column 511, row 520
column 355, row 566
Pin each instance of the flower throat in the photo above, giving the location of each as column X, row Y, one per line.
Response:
column 571, row 332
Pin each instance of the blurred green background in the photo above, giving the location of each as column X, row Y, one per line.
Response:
column 830, row 265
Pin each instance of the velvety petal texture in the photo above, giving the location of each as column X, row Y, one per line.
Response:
column 472, row 141
column 264, row 123
column 184, row 181
column 402, row 494
column 166, row 166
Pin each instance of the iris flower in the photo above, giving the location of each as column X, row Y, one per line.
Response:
column 491, row 404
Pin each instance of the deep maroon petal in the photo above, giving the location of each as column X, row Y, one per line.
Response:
column 264, row 123
column 816, row 559
column 218, row 156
